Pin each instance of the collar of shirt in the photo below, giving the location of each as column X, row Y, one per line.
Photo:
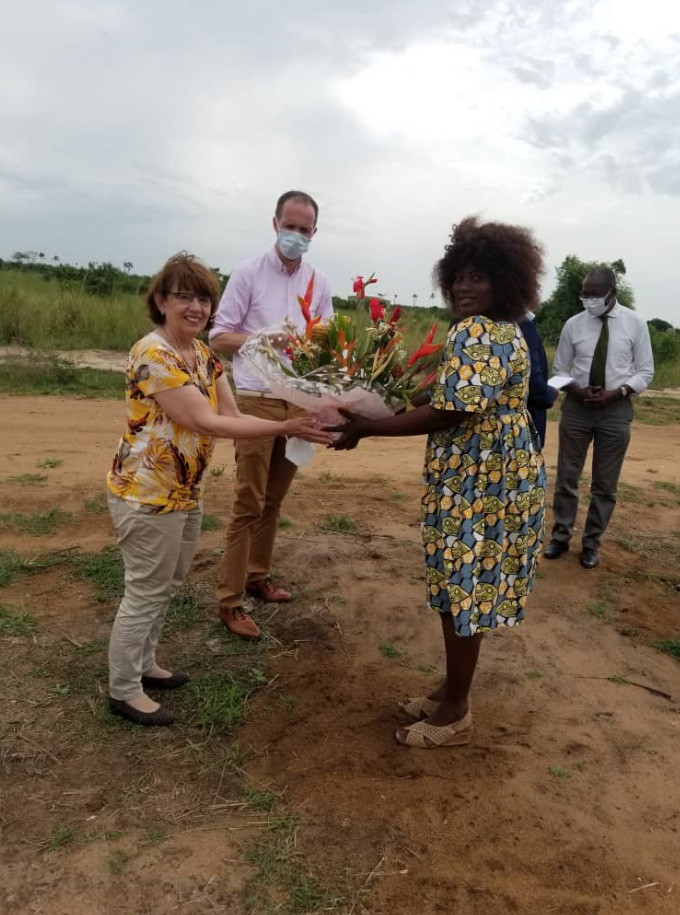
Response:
column 277, row 264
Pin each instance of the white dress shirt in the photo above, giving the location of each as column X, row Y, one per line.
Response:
column 261, row 294
column 629, row 351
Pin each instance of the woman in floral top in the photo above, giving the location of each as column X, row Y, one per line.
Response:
column 178, row 400
column 484, row 478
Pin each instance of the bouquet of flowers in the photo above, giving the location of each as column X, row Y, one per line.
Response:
column 350, row 362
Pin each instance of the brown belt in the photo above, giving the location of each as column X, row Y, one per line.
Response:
column 264, row 395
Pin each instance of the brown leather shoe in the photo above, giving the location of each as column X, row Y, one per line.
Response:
column 267, row 591
column 238, row 621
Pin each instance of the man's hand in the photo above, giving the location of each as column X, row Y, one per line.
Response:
column 582, row 394
column 602, row 398
column 350, row 432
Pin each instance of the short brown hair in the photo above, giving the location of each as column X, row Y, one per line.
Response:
column 296, row 195
column 183, row 272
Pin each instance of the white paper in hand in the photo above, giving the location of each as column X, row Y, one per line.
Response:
column 560, row 381
column 299, row 452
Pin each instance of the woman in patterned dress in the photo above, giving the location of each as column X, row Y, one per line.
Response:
column 177, row 401
column 484, row 478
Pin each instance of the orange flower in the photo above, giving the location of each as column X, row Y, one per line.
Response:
column 428, row 348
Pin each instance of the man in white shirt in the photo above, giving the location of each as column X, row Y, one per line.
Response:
column 606, row 349
column 262, row 293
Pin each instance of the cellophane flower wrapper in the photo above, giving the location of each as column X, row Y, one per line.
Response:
column 322, row 392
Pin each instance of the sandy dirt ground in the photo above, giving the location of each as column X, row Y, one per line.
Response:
column 566, row 803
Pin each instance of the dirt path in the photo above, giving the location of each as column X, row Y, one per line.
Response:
column 566, row 802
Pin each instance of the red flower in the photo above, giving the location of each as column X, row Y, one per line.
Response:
column 377, row 310
column 289, row 352
column 359, row 286
column 426, row 349
column 396, row 314
column 306, row 307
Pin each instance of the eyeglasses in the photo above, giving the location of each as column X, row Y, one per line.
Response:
column 186, row 298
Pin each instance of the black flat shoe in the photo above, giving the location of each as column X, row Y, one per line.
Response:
column 554, row 549
column 589, row 559
column 160, row 718
column 179, row 678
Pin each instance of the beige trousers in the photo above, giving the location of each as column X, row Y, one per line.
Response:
column 157, row 552
column 263, row 476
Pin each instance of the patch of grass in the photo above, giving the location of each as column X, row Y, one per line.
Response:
column 327, row 477
column 560, row 772
column 282, row 883
column 210, row 523
column 288, row 702
column 262, row 801
column 94, row 647
column 117, row 862
column 426, row 669
column 217, row 470
column 337, row 599
column 534, row 675
column 13, row 565
column 41, row 524
column 104, row 570
column 667, row 486
column 598, row 609
column 670, row 647
column 29, row 479
column 50, row 463
column 15, row 622
column 399, row 497
column 215, row 703
column 154, row 835
column 95, row 505
column 657, row 411
column 633, row 494
column 60, row 837
column 285, row 523
column 187, row 609
column 55, row 375
column 389, row 650
column 339, row 524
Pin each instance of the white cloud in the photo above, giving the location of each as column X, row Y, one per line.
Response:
column 133, row 130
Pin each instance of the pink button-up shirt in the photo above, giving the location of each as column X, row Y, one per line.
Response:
column 260, row 294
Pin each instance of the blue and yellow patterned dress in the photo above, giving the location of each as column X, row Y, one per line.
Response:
column 484, row 493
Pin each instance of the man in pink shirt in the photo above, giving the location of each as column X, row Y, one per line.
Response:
column 261, row 293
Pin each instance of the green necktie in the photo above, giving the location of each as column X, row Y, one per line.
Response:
column 599, row 364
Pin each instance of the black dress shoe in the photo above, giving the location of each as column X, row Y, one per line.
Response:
column 179, row 678
column 554, row 549
column 589, row 559
column 160, row 718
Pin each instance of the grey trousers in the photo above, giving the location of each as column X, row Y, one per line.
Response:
column 157, row 552
column 609, row 431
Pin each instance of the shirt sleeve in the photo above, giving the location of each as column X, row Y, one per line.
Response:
column 474, row 366
column 643, row 360
column 154, row 368
column 564, row 356
column 541, row 395
column 325, row 303
column 233, row 305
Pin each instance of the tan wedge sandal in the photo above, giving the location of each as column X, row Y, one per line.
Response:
column 427, row 736
column 419, row 708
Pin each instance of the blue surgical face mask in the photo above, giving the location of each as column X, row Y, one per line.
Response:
column 292, row 245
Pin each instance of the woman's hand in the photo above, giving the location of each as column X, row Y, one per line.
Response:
column 351, row 431
column 307, row 427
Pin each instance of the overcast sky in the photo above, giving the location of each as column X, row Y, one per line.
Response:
column 130, row 130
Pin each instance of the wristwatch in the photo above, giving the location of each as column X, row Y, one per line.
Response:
column 624, row 391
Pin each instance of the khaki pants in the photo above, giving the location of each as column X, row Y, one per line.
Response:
column 157, row 552
column 263, row 476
